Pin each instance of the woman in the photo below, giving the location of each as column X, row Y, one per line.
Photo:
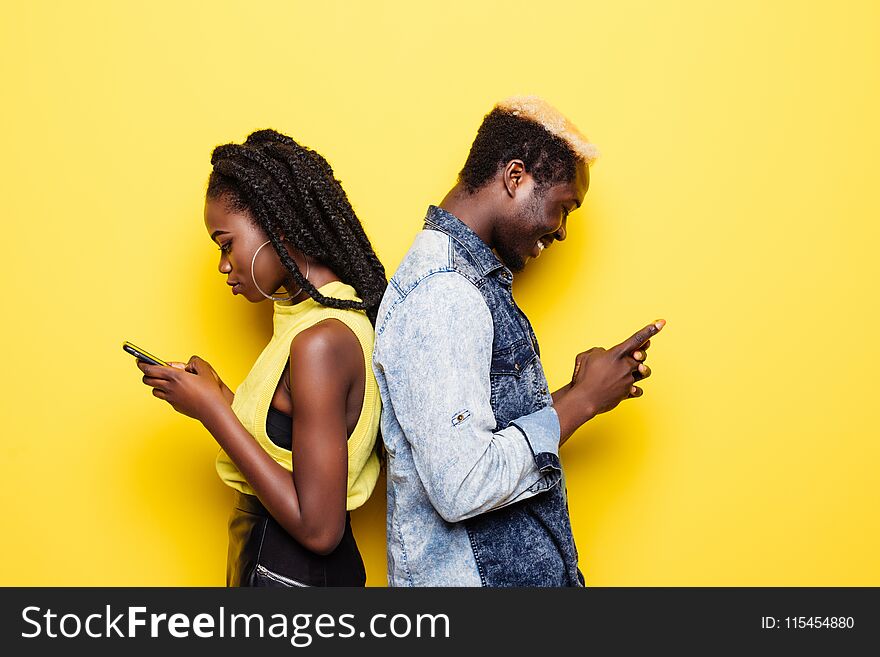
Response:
column 298, row 435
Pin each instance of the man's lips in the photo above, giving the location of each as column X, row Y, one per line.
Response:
column 539, row 247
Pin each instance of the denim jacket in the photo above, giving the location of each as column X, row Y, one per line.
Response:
column 475, row 489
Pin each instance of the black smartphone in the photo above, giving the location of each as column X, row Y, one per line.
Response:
column 140, row 354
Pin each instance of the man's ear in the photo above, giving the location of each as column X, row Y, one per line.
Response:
column 512, row 176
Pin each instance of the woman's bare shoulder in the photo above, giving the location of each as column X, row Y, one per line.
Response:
column 329, row 343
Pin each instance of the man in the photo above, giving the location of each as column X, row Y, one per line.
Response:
column 475, row 489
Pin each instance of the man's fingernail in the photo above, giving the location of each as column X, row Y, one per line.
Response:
column 643, row 368
column 637, row 355
column 660, row 323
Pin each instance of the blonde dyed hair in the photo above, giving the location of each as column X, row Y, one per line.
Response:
column 535, row 108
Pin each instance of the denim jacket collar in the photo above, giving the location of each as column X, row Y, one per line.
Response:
column 481, row 254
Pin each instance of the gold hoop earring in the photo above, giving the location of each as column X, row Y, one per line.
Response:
column 269, row 296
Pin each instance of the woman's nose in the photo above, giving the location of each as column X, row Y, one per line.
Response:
column 224, row 267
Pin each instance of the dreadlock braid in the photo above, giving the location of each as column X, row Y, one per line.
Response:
column 290, row 191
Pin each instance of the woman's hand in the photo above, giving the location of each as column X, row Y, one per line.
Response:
column 193, row 389
column 197, row 364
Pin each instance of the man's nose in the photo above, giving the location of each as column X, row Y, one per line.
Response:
column 560, row 234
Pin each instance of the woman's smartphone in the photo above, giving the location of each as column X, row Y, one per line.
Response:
column 140, row 354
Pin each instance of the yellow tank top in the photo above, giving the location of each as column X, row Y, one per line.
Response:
column 254, row 395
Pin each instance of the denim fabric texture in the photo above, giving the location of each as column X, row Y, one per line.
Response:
column 476, row 495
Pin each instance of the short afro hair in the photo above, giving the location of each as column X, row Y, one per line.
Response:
column 527, row 128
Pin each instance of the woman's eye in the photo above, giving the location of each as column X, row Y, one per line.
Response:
column 225, row 247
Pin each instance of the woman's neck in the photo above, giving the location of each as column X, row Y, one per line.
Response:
column 319, row 275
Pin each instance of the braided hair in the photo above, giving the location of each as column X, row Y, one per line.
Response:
column 290, row 192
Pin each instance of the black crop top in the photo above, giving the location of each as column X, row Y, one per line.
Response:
column 279, row 428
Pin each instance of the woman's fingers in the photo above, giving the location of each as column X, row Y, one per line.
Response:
column 157, row 371
column 195, row 365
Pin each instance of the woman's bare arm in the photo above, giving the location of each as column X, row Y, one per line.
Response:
column 324, row 363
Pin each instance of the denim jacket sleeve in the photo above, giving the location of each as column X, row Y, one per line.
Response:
column 436, row 356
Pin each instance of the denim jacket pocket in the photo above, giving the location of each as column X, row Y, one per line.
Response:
column 513, row 359
column 513, row 379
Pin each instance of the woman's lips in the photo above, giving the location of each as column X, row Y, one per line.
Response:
column 236, row 289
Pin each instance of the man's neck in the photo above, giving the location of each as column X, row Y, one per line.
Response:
column 473, row 210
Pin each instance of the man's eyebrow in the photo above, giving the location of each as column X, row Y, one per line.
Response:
column 216, row 233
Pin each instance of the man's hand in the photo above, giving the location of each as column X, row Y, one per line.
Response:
column 603, row 378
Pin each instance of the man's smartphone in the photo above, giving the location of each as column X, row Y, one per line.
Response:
column 140, row 354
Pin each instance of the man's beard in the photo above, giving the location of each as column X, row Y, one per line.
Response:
column 511, row 259
column 508, row 251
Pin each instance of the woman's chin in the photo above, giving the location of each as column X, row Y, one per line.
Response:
column 245, row 294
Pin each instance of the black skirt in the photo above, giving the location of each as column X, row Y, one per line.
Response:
column 262, row 553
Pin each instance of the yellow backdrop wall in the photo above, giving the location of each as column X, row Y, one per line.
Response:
column 734, row 197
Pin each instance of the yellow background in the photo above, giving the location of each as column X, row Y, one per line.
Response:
column 736, row 197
